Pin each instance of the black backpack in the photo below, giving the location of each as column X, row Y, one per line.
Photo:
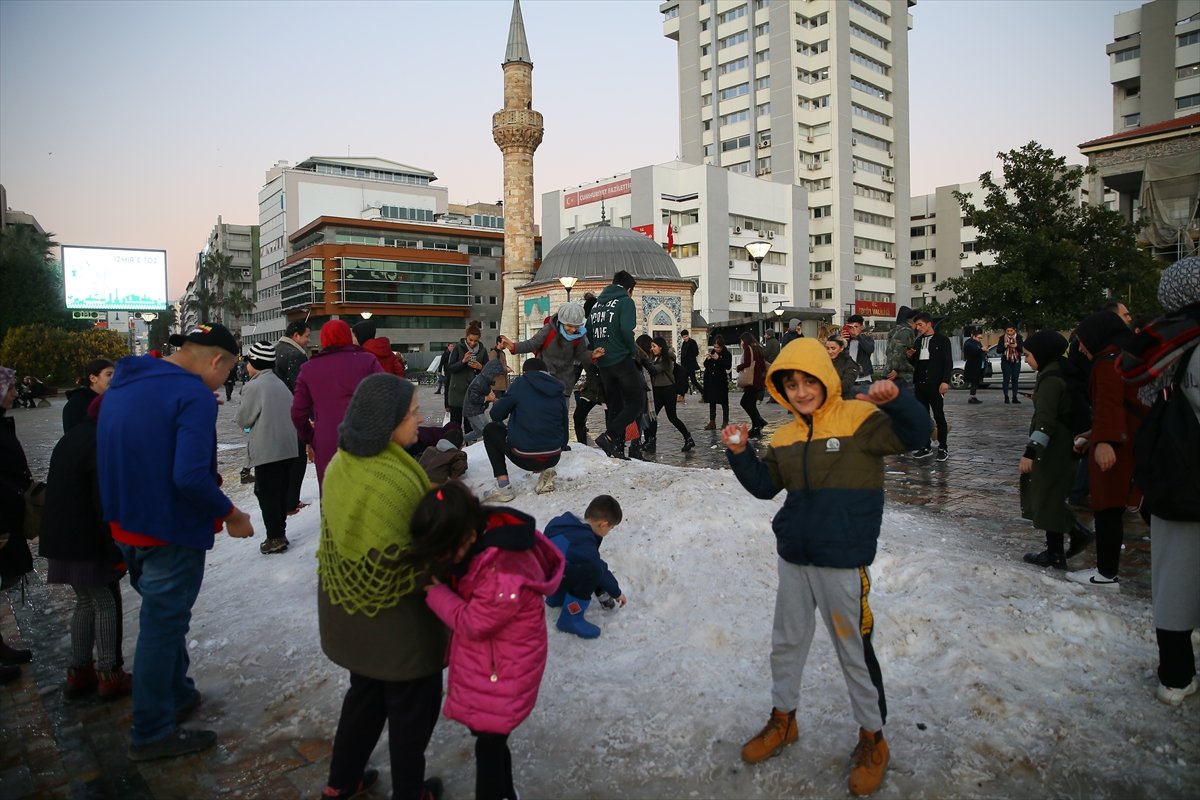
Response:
column 1167, row 454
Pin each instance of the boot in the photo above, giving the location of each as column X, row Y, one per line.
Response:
column 610, row 448
column 635, row 450
column 1047, row 558
column 688, row 444
column 370, row 777
column 651, row 444
column 278, row 544
column 80, row 681
column 10, row 656
column 571, row 619
column 711, row 426
column 117, row 683
column 779, row 732
column 870, row 763
column 556, row 600
column 1081, row 537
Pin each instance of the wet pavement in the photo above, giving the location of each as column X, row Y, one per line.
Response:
column 53, row 748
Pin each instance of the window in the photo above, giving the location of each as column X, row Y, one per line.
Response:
column 491, row 301
column 812, row 22
column 478, row 299
column 478, row 276
column 762, row 30
column 671, row 13
column 872, row 219
column 761, row 56
column 731, row 14
column 871, row 166
column 817, row 185
column 704, row 25
column 878, row 297
column 804, row 76
column 755, row 224
column 818, row 295
column 817, row 212
column 706, row 100
column 1188, row 38
column 868, row 269
column 870, row 12
column 742, row 168
column 735, row 91
column 684, row 250
column 874, row 194
column 707, row 124
column 872, row 141
column 394, row 212
column 491, row 276
column 1133, row 91
column 487, row 221
column 812, row 49
column 870, row 89
column 873, row 244
column 820, row 239
column 763, row 164
column 924, row 230
column 1190, row 71
column 1128, row 55
column 492, row 325
column 814, row 130
column 708, row 149
column 763, row 83
column 869, row 63
column 736, row 143
column 867, row 113
column 816, row 102
column 768, row 287
column 689, row 216
column 763, row 109
column 704, row 48
column 822, row 266
column 968, row 247
column 868, row 37
column 1191, row 101
column 1132, row 120
column 759, row 5
column 706, row 74
column 734, row 66
column 730, row 41
column 918, row 255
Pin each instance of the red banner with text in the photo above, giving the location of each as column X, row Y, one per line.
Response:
column 597, row 193
column 874, row 308
column 645, row 230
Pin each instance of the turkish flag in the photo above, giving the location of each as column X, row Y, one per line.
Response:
column 670, row 236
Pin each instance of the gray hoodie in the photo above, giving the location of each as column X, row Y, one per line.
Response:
column 481, row 385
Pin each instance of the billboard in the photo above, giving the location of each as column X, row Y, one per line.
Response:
column 114, row 279
column 597, row 193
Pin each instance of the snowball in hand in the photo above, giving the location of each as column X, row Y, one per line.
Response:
column 735, row 437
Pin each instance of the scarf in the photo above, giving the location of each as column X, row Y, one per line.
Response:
column 8, row 377
column 1010, row 348
column 366, row 507
column 570, row 337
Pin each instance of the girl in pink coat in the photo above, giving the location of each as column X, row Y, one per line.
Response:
column 502, row 569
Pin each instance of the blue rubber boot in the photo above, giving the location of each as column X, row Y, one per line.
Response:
column 556, row 600
column 571, row 619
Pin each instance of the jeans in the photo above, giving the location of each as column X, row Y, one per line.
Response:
column 931, row 399
column 1010, row 370
column 478, row 423
column 495, row 442
column 271, row 483
column 168, row 578
column 625, row 391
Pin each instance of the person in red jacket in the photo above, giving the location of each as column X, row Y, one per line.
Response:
column 380, row 347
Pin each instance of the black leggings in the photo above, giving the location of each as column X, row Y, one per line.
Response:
column 583, row 407
column 493, row 767
column 750, row 400
column 1110, row 530
column 1176, row 662
column 665, row 397
column 712, row 412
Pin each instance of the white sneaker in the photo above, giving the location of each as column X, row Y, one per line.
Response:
column 1174, row 697
column 1092, row 577
column 504, row 494
column 546, row 481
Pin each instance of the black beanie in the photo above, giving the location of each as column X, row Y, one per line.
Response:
column 380, row 403
column 364, row 331
column 533, row 365
column 1102, row 329
column 1047, row 347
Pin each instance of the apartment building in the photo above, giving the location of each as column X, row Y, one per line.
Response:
column 703, row 216
column 240, row 243
column 1154, row 63
column 813, row 94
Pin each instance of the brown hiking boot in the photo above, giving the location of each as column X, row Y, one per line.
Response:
column 870, row 763
column 712, row 425
column 779, row 732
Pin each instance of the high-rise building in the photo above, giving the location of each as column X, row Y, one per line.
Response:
column 240, row 243
column 1154, row 63
column 816, row 94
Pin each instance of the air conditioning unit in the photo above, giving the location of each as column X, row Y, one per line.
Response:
column 858, row 277
column 761, row 234
column 888, row 179
column 737, row 297
column 812, row 249
column 737, row 230
column 853, row 140
column 858, row 251
column 770, row 234
column 753, row 266
column 916, row 262
column 709, row 161
column 731, row 263
column 813, row 167
column 810, row 139
column 814, row 276
column 761, row 172
column 962, row 255
column 764, row 143
column 918, row 287
column 766, row 298
column 889, row 255
column 732, row 297
column 890, row 155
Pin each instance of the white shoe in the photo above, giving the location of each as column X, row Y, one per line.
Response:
column 1174, row 697
column 546, row 481
column 505, row 494
column 1092, row 577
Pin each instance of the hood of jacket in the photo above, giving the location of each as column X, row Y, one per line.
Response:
column 492, row 369
column 380, row 347
column 809, row 355
column 514, row 531
column 903, row 315
column 135, row 369
column 544, row 383
column 612, row 291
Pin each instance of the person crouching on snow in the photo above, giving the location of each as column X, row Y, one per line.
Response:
column 830, row 462
column 500, row 569
column 586, row 572
column 479, row 394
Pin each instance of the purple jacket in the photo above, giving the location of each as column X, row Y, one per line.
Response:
column 327, row 382
column 498, row 618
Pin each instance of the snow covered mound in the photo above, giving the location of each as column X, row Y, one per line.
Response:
column 1000, row 680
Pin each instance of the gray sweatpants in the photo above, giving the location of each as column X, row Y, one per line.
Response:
column 841, row 596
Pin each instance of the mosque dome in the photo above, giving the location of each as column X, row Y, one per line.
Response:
column 601, row 252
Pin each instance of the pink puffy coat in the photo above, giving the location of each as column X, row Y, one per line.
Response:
column 498, row 618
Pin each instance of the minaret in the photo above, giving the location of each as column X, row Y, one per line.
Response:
column 518, row 132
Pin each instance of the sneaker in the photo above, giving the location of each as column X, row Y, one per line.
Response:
column 754, row 433
column 545, row 482
column 181, row 742
column 975, row 401
column 247, row 476
column 870, row 763
column 779, row 732
column 184, row 711
column 1092, row 577
column 924, row 452
column 943, row 454
column 1047, row 559
column 1081, row 537
column 503, row 494
column 1174, row 697
column 370, row 777
column 277, row 545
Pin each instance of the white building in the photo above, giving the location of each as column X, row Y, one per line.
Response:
column 710, row 214
column 346, row 187
column 814, row 94
column 1154, row 63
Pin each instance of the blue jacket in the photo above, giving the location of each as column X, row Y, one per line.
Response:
column 538, row 411
column 157, row 446
column 580, row 545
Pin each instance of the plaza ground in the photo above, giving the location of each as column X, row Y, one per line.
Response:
column 1002, row 679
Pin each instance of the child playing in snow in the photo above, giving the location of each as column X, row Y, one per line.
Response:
column 446, row 460
column 501, row 568
column 479, row 394
column 586, row 572
column 830, row 462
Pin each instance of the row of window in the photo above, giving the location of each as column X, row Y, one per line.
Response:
column 814, row 49
column 872, row 141
column 731, row 14
column 374, row 174
column 1188, row 38
column 683, row 250
column 816, row 76
column 678, row 219
column 873, row 116
column 734, row 66
column 730, row 41
column 923, row 230
column 868, row 88
column 1191, row 101
column 773, row 257
column 878, row 246
column 921, row 255
column 867, row 269
column 872, row 167
column 872, row 193
column 1127, row 55
column 869, row 63
column 767, row 287
column 822, row 266
column 755, row 224
column 479, row 300
column 819, row 212
column 398, row 212
column 812, row 22
column 873, row 219
column 487, row 221
column 736, row 143
column 395, row 241
column 813, row 103
column 878, row 16
column 923, row 277
column 868, row 37
column 816, row 185
column 1190, row 71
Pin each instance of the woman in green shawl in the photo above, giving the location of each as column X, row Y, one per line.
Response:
column 373, row 616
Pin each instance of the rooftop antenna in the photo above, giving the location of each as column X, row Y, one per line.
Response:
column 602, row 210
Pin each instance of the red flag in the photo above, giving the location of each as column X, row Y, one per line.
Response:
column 670, row 237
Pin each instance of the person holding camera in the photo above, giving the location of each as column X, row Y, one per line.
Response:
column 716, row 382
column 464, row 363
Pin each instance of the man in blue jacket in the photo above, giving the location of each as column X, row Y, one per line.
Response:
column 162, row 499
column 586, row 572
column 536, row 410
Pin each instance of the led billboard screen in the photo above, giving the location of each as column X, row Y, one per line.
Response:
column 114, row 279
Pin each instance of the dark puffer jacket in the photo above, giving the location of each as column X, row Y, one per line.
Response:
column 536, row 410
column 73, row 526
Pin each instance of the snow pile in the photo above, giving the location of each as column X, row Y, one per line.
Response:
column 1000, row 680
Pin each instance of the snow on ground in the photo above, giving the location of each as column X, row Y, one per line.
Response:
column 1000, row 680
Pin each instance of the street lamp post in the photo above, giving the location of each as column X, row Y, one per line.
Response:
column 365, row 314
column 778, row 311
column 568, row 282
column 758, row 250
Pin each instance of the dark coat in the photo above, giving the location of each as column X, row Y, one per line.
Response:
column 866, row 347
column 73, row 526
column 575, row 538
column 1116, row 416
column 536, row 411
column 759, row 364
column 941, row 360
column 323, row 392
column 847, row 370
column 289, row 358
column 689, row 355
column 1044, row 490
column 716, row 378
column 974, row 359
column 75, row 411
column 15, row 558
column 458, row 374
column 771, row 348
column 664, row 362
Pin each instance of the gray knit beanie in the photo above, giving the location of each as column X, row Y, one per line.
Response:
column 380, row 403
column 571, row 314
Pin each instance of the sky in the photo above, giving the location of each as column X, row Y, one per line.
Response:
column 137, row 124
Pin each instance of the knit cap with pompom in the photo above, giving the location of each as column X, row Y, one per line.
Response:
column 380, row 403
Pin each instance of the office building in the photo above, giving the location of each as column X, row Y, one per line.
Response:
column 1154, row 63
column 813, row 94
column 240, row 243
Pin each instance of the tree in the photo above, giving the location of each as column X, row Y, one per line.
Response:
column 1057, row 261
column 237, row 304
column 202, row 301
column 31, row 290
column 160, row 329
column 56, row 356
column 95, row 343
column 216, row 269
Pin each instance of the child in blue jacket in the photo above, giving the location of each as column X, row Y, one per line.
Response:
column 586, row 572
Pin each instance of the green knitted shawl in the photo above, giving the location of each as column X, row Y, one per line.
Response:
column 366, row 507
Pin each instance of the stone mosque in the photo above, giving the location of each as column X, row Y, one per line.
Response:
column 591, row 257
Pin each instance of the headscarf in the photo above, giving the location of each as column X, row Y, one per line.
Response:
column 335, row 333
column 7, row 378
column 364, row 331
column 1048, row 346
column 1179, row 286
column 1102, row 330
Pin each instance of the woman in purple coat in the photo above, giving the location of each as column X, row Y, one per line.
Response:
column 327, row 382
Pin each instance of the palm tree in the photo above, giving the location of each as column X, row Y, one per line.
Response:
column 202, row 301
column 237, row 304
column 216, row 270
